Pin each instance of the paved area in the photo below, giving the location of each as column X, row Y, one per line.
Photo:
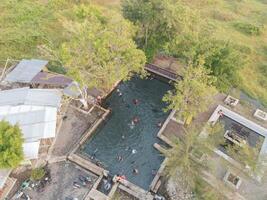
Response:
column 121, row 195
column 63, row 175
column 74, row 125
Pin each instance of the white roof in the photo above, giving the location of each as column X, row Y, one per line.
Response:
column 26, row 70
column 27, row 96
column 36, row 122
column 4, row 173
column 31, row 150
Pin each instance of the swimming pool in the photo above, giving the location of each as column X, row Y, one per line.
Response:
column 122, row 146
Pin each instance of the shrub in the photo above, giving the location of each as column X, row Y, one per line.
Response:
column 56, row 67
column 37, row 174
column 249, row 29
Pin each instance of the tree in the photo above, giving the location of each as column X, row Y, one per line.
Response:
column 99, row 50
column 11, row 151
column 37, row 174
column 223, row 58
column 187, row 160
column 193, row 94
column 159, row 21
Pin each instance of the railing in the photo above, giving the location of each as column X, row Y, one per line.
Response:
column 163, row 72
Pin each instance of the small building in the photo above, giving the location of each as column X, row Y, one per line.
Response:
column 35, row 111
column 239, row 130
column 34, row 73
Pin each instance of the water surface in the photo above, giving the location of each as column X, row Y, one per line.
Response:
column 117, row 137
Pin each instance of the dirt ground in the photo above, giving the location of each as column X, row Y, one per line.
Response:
column 73, row 127
column 63, row 175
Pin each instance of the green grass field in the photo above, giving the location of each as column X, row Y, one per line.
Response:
column 26, row 25
column 226, row 16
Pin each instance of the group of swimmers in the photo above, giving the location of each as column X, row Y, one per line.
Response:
column 134, row 122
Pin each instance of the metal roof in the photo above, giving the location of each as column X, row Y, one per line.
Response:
column 31, row 150
column 27, row 96
column 36, row 122
column 26, row 70
column 51, row 79
column 4, row 173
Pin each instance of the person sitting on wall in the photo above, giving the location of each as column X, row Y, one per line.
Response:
column 98, row 99
column 220, row 113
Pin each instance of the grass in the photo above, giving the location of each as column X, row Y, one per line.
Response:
column 244, row 23
column 27, row 24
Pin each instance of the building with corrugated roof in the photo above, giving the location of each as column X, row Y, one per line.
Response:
column 35, row 111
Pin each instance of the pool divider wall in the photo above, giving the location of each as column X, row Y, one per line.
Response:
column 160, row 135
column 154, row 186
column 135, row 190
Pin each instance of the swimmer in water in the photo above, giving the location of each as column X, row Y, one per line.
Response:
column 119, row 92
column 135, row 120
column 135, row 101
column 120, row 158
column 135, row 171
column 159, row 124
column 123, row 137
column 134, row 151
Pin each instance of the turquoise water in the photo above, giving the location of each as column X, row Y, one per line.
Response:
column 117, row 137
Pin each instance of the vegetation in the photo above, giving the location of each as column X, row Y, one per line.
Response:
column 158, row 22
column 229, row 35
column 99, row 50
column 193, row 94
column 37, row 174
column 11, row 151
column 186, row 162
column 94, row 43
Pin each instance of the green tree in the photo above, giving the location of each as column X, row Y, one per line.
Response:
column 193, row 94
column 100, row 50
column 224, row 59
column 159, row 21
column 37, row 174
column 11, row 151
column 187, row 160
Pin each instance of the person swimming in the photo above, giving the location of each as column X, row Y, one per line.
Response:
column 135, row 120
column 134, row 151
column 119, row 92
column 135, row 101
column 120, row 158
column 135, row 171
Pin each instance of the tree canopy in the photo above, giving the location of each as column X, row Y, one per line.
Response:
column 11, row 151
column 187, row 160
column 158, row 22
column 99, row 50
column 193, row 93
column 222, row 58
column 229, row 39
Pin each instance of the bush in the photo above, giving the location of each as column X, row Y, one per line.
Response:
column 37, row 174
column 56, row 67
column 249, row 29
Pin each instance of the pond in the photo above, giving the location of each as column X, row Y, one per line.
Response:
column 125, row 147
